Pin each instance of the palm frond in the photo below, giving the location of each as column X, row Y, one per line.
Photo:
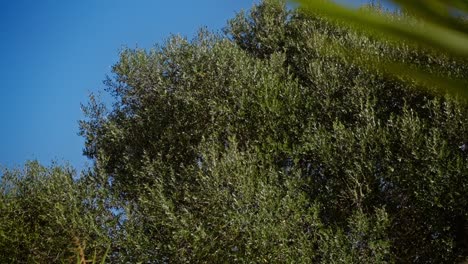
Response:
column 434, row 25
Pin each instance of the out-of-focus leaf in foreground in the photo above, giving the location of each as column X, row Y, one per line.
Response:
column 434, row 25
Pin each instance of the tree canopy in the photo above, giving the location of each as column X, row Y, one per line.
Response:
column 256, row 145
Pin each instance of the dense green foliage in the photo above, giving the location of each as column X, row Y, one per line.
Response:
column 256, row 146
column 48, row 217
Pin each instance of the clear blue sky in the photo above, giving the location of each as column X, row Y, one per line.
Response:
column 55, row 52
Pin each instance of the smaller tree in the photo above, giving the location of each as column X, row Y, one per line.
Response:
column 47, row 216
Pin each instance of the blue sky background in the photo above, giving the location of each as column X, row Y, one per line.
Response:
column 55, row 52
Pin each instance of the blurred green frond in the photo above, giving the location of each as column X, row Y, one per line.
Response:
column 437, row 26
